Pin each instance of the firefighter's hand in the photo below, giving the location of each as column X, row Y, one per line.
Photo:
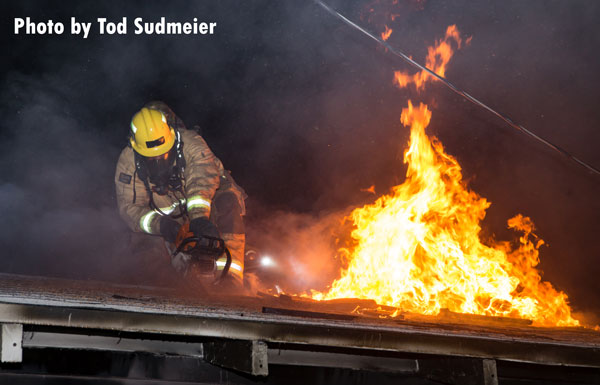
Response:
column 203, row 227
column 169, row 228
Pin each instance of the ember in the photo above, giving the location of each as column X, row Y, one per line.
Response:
column 386, row 34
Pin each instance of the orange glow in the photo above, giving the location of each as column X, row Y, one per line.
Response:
column 370, row 190
column 418, row 247
column 386, row 34
column 437, row 59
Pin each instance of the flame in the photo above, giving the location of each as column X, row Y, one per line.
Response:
column 386, row 34
column 437, row 59
column 418, row 247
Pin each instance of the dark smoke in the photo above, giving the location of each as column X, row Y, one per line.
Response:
column 304, row 113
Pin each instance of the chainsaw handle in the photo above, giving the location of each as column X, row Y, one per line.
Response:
column 225, row 268
column 188, row 240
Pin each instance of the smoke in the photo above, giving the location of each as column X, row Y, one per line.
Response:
column 304, row 248
column 58, row 215
column 304, row 113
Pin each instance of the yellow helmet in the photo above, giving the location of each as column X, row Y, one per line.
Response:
column 150, row 134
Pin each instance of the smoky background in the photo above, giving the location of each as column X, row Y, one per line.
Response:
column 303, row 111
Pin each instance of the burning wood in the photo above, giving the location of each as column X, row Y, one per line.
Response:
column 347, row 309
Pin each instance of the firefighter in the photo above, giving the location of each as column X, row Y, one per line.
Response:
column 166, row 176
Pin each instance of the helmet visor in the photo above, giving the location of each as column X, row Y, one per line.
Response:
column 160, row 168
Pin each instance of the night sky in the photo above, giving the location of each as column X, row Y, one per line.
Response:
column 303, row 112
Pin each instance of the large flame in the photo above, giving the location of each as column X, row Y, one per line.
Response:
column 418, row 248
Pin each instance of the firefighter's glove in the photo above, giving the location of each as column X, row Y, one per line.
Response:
column 169, row 228
column 203, row 227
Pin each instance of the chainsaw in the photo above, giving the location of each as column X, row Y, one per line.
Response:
column 201, row 254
